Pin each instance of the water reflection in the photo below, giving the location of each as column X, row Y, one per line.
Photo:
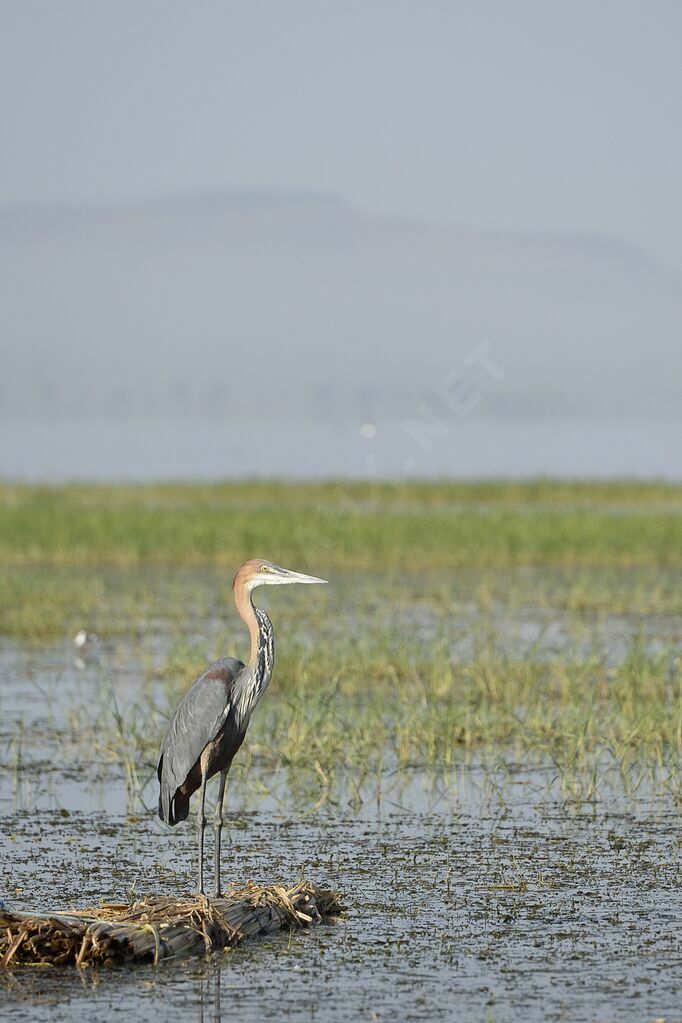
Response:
column 209, row 997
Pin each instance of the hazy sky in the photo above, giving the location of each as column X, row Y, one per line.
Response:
column 531, row 115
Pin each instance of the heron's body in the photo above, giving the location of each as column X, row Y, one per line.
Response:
column 211, row 720
column 205, row 725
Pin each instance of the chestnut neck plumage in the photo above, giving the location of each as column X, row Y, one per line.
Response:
column 251, row 616
column 252, row 683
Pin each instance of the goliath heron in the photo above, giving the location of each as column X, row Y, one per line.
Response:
column 210, row 722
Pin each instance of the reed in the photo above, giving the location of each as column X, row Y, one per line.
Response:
column 160, row 927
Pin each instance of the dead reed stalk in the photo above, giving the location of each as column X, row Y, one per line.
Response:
column 160, row 927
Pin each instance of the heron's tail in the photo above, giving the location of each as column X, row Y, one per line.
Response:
column 174, row 810
column 173, row 806
column 178, row 809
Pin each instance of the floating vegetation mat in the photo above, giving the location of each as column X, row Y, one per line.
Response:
column 160, row 927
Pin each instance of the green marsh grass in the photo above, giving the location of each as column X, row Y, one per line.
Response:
column 406, row 661
column 371, row 527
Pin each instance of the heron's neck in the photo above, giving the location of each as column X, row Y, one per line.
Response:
column 252, row 683
column 260, row 630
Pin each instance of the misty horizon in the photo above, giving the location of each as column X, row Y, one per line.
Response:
column 171, row 307
column 306, row 220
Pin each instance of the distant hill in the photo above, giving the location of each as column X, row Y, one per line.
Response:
column 223, row 304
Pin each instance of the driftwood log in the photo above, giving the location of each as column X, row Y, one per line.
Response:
column 158, row 927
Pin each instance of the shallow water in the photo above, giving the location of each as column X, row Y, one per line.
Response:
column 477, row 895
column 487, row 912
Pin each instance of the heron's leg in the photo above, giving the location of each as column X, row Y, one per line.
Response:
column 217, row 830
column 201, row 824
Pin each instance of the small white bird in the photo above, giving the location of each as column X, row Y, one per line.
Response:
column 85, row 644
column 84, row 639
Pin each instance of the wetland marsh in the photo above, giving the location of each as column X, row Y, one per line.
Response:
column 474, row 733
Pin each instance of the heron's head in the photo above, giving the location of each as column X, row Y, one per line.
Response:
column 264, row 573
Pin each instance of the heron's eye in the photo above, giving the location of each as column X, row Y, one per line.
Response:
column 264, row 568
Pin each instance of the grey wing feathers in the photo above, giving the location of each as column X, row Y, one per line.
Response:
column 197, row 720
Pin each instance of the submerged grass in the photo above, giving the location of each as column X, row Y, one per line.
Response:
column 407, row 660
column 390, row 703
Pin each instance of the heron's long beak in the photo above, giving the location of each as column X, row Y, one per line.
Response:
column 296, row 577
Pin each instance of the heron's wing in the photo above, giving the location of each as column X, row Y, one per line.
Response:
column 200, row 715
